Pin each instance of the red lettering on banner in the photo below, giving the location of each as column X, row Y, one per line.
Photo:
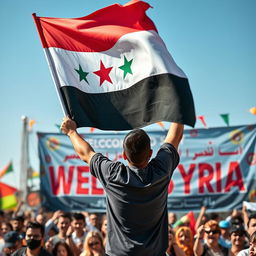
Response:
column 187, row 176
column 218, row 177
column 234, row 168
column 210, row 178
column 205, row 179
column 95, row 189
column 61, row 180
column 81, row 180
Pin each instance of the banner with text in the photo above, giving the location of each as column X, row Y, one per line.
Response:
column 217, row 169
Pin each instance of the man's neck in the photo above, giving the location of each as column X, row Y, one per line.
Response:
column 62, row 235
column 79, row 233
column 35, row 252
column 139, row 166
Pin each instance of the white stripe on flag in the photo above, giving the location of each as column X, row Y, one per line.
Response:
column 146, row 49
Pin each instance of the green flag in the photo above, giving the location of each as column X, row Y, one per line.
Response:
column 7, row 169
column 58, row 126
column 225, row 118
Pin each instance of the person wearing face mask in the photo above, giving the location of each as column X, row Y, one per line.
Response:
column 34, row 240
column 12, row 242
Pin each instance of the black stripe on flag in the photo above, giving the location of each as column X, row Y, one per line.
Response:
column 164, row 97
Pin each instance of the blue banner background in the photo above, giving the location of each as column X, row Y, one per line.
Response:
column 217, row 169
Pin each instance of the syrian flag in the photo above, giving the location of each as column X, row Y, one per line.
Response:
column 112, row 71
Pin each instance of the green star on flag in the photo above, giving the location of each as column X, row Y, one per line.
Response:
column 126, row 67
column 82, row 74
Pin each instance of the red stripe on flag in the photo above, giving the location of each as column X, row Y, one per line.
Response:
column 96, row 32
column 6, row 190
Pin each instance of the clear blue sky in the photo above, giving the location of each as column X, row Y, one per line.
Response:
column 213, row 41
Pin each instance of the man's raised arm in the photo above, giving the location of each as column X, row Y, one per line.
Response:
column 82, row 147
column 174, row 134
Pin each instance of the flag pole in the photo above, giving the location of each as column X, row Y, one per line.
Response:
column 50, row 64
column 24, row 159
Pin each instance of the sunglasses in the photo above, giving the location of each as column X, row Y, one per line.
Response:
column 212, row 231
column 93, row 243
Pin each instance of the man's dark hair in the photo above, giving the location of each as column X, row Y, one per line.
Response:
column 78, row 216
column 66, row 215
column 252, row 216
column 18, row 218
column 136, row 146
column 35, row 225
column 214, row 216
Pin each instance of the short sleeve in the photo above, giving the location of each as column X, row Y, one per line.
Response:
column 103, row 168
column 167, row 159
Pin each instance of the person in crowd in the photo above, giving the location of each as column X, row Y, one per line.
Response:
column 185, row 240
column 236, row 218
column 173, row 248
column 12, row 242
column 5, row 227
column 40, row 218
column 103, row 229
column 28, row 217
column 136, row 193
column 251, row 230
column 17, row 223
column 62, row 249
column 52, row 232
column 224, row 239
column 251, row 224
column 172, row 218
column 251, row 251
column 94, row 220
column 34, row 239
column 206, row 242
column 63, row 223
column 238, row 243
column 51, row 224
column 93, row 245
column 64, row 235
column 252, row 248
column 215, row 216
column 79, row 234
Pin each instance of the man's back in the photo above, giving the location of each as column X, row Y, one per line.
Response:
column 137, row 203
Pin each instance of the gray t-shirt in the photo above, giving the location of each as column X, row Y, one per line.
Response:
column 136, row 203
column 244, row 252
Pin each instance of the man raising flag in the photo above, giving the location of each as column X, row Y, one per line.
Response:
column 136, row 194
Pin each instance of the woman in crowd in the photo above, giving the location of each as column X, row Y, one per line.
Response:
column 5, row 227
column 185, row 240
column 209, row 233
column 104, row 229
column 62, row 249
column 93, row 245
column 173, row 248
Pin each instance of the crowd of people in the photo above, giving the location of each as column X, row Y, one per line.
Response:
column 85, row 234
column 136, row 221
